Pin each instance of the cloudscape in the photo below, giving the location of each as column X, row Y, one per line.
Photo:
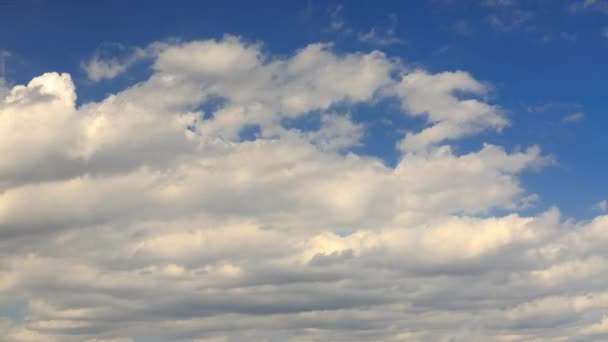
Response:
column 303, row 171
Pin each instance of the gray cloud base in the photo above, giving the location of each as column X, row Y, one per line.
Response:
column 141, row 217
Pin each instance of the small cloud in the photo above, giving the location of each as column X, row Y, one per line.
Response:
column 111, row 60
column 442, row 50
column 540, row 108
column 513, row 21
column 373, row 37
column 3, row 55
column 601, row 206
column 497, row 3
column 4, row 87
column 561, row 36
column 336, row 20
column 98, row 69
column 382, row 36
column 308, row 10
column 578, row 116
column 604, row 32
column 528, row 201
column 568, row 36
column 558, row 108
column 463, row 28
column 589, row 5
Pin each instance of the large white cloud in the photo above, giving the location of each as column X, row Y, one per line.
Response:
column 146, row 216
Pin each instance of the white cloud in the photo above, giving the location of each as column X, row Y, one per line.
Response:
column 374, row 37
column 578, row 116
column 589, row 5
column 498, row 3
column 3, row 85
column 106, row 65
column 382, row 36
column 140, row 216
column 450, row 116
column 512, row 20
column 98, row 69
column 463, row 28
column 601, row 206
column 336, row 19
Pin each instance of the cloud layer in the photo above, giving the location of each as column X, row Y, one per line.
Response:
column 148, row 215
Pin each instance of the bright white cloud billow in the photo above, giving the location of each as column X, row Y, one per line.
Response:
column 143, row 217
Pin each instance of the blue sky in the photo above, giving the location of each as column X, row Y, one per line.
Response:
column 545, row 60
column 303, row 170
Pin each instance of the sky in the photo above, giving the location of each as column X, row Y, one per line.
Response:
column 303, row 171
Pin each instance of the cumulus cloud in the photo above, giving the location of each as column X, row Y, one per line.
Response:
column 450, row 115
column 112, row 60
column 147, row 215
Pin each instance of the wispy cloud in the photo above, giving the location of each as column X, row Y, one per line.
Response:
column 555, row 107
column 382, row 35
column 497, row 3
column 601, row 206
column 589, row 5
column 3, row 55
column 336, row 19
column 578, row 116
column 463, row 28
column 112, row 60
column 512, row 21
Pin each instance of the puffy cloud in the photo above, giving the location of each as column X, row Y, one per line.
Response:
column 439, row 97
column 97, row 69
column 146, row 215
column 112, row 60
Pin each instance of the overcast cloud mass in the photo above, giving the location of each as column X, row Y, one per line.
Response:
column 188, row 207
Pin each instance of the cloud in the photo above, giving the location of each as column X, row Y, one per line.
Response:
column 3, row 55
column 589, row 5
column 463, row 28
column 601, row 206
column 498, row 3
column 337, row 23
column 4, row 89
column 450, row 116
column 372, row 36
column 513, row 20
column 578, row 116
column 112, row 60
column 3, row 84
column 382, row 36
column 146, row 215
column 508, row 16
